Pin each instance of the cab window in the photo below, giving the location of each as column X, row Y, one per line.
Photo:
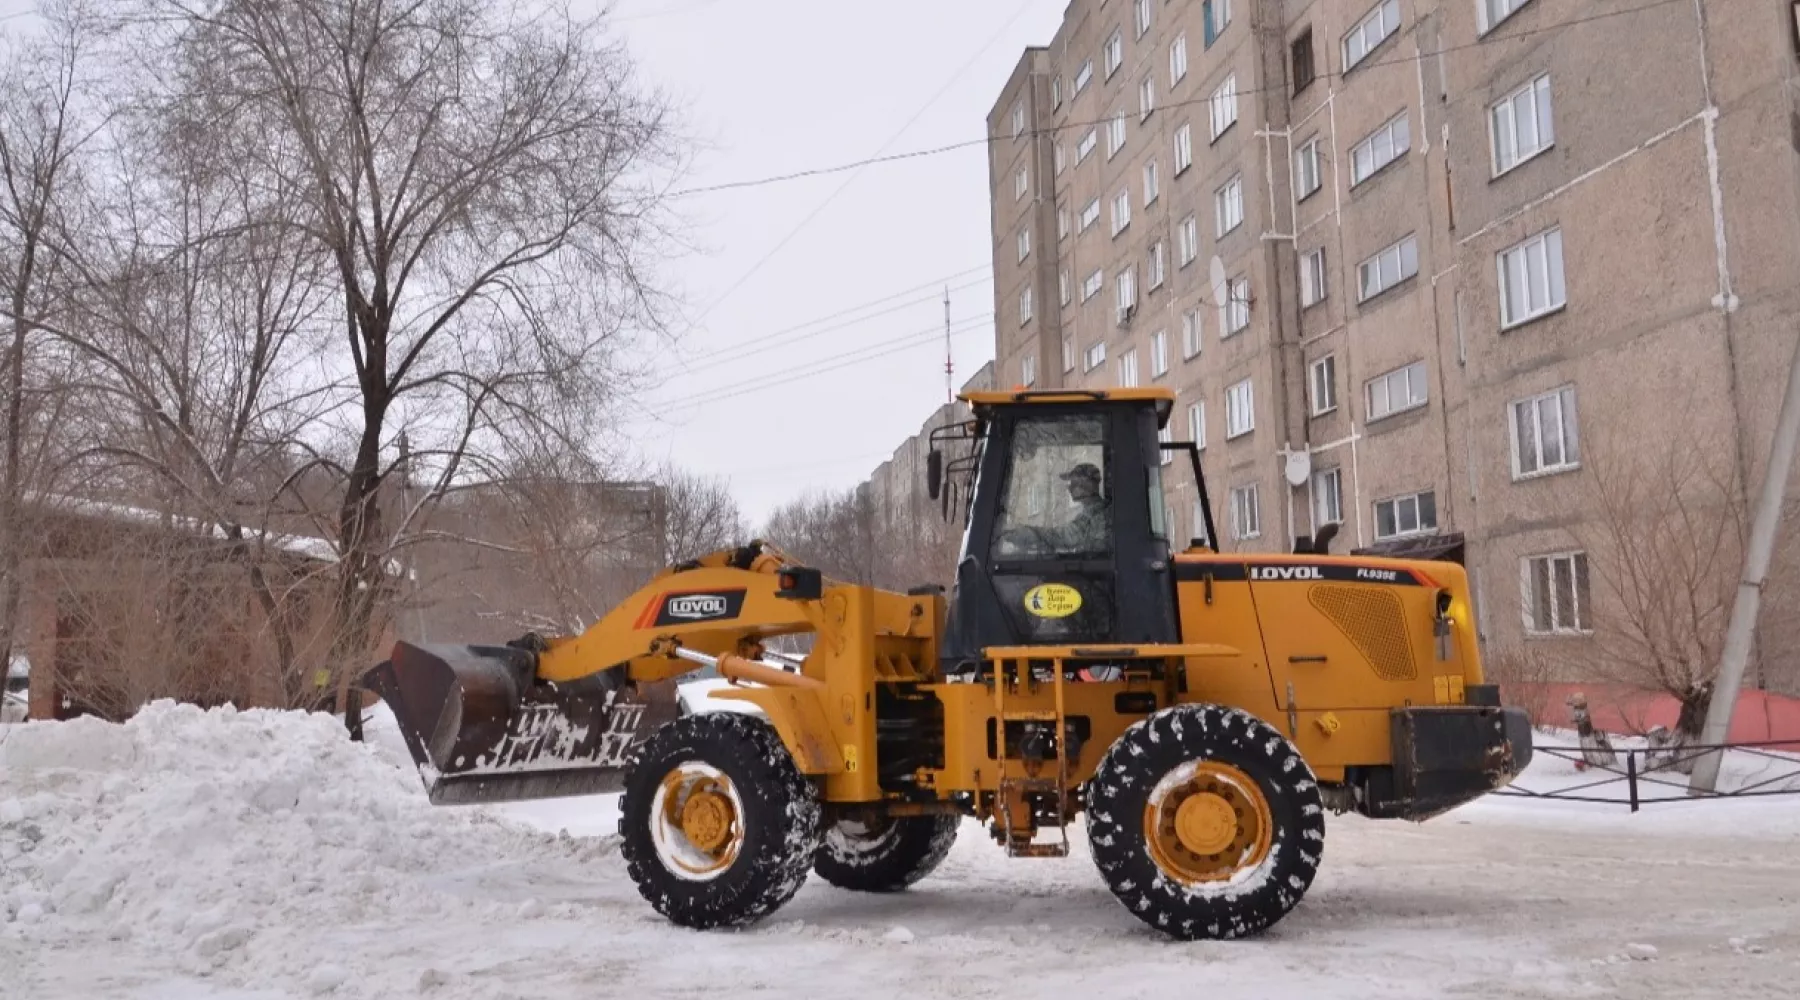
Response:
column 1057, row 501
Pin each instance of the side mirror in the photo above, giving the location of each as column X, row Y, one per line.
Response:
column 934, row 473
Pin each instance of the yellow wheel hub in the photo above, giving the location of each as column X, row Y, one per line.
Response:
column 698, row 829
column 706, row 819
column 1207, row 821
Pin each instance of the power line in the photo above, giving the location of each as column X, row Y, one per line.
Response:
column 858, row 165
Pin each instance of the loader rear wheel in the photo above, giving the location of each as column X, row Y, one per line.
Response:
column 886, row 856
column 1205, row 822
column 717, row 826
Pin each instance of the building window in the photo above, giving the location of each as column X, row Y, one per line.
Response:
column 1152, row 184
column 1246, row 513
column 1521, row 126
column 1371, row 31
column 1146, row 97
column 1085, row 145
column 1159, row 265
column 1306, row 169
column 1382, row 147
column 1224, row 106
column 1159, row 354
column 1190, row 334
column 1090, row 214
column 1021, row 183
column 1184, row 148
column 1056, row 92
column 1544, row 433
column 1121, row 212
column 1096, row 355
column 1141, row 9
column 1024, row 242
column 1128, row 373
column 1068, row 352
column 1166, row 436
column 1187, row 240
column 1328, row 497
column 1177, row 60
column 1115, row 135
column 1322, row 380
column 1083, row 75
column 1197, row 424
column 1556, row 594
column 1025, row 306
column 1302, row 52
column 1061, row 155
column 1237, row 306
column 1228, row 206
column 1062, row 286
column 1127, row 292
column 1413, row 514
column 1397, row 391
column 1062, row 224
column 1312, row 277
column 1531, row 279
column 1240, row 410
column 1387, row 268
column 1115, row 52
column 1091, row 285
column 1028, row 370
column 1217, row 14
column 1018, row 119
column 1492, row 12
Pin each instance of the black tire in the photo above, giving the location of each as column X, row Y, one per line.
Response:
column 888, row 859
column 1255, row 897
column 778, row 823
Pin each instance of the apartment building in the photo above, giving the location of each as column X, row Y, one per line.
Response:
column 1419, row 267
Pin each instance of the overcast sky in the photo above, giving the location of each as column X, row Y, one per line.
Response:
column 777, row 86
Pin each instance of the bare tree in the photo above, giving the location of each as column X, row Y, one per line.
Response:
column 699, row 515
column 482, row 179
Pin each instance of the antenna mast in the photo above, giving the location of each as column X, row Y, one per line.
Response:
column 949, row 366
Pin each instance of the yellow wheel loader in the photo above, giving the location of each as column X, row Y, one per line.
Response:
column 1203, row 709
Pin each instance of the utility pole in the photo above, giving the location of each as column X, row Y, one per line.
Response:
column 949, row 366
column 1740, row 632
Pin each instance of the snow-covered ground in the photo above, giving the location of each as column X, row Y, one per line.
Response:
column 248, row 855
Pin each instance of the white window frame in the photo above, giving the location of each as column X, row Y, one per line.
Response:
column 1387, row 267
column 1062, row 224
column 1125, row 287
column 1193, row 334
column 1223, row 106
column 1236, row 307
column 1028, row 370
column 1159, row 354
column 1093, row 284
column 1548, row 250
column 1321, row 383
column 1068, row 353
column 1025, row 305
column 1184, row 148
column 1115, row 135
column 1187, row 240
column 1021, row 183
column 1221, row 17
column 1096, row 355
column 1090, row 214
column 1143, row 12
column 1128, row 369
column 1084, row 76
column 1146, row 97
column 1166, row 435
column 1375, row 27
column 1063, row 286
column 1084, row 147
column 1240, row 409
column 1178, row 61
column 1114, row 52
column 1159, row 264
column 1024, row 243
column 1197, row 424
column 1308, row 179
column 1328, row 497
column 1228, row 206
column 1246, row 512
column 1152, row 183
column 1315, row 282
column 1056, row 92
column 1418, row 518
column 1508, row 140
column 1411, row 377
column 1579, row 620
column 1018, row 119
column 1489, row 14
column 1527, row 423
column 1060, row 155
column 1388, row 143
column 1121, row 212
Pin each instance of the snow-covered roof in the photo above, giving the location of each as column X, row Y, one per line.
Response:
column 312, row 547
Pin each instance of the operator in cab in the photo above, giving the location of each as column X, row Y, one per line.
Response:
column 1090, row 530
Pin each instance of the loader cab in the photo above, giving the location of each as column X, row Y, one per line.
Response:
column 1065, row 539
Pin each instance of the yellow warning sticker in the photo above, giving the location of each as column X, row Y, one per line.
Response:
column 850, row 757
column 1053, row 600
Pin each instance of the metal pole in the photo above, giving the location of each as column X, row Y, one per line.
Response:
column 1741, row 630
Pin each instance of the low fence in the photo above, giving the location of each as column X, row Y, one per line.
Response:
column 1642, row 776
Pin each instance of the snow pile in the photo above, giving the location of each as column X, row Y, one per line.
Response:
column 212, row 836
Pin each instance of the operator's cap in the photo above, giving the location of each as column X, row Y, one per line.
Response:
column 1086, row 470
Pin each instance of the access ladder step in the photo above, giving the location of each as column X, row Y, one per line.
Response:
column 1059, row 849
column 1033, row 716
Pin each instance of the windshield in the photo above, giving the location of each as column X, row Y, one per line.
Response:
column 1057, row 500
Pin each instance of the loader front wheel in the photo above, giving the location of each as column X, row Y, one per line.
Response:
column 886, row 855
column 1205, row 822
column 717, row 826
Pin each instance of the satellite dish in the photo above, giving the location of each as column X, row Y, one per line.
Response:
column 1299, row 467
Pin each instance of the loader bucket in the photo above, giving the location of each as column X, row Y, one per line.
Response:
column 482, row 728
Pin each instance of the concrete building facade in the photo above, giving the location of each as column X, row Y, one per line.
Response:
column 1415, row 266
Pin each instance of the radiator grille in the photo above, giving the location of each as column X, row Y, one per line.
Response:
column 1371, row 619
